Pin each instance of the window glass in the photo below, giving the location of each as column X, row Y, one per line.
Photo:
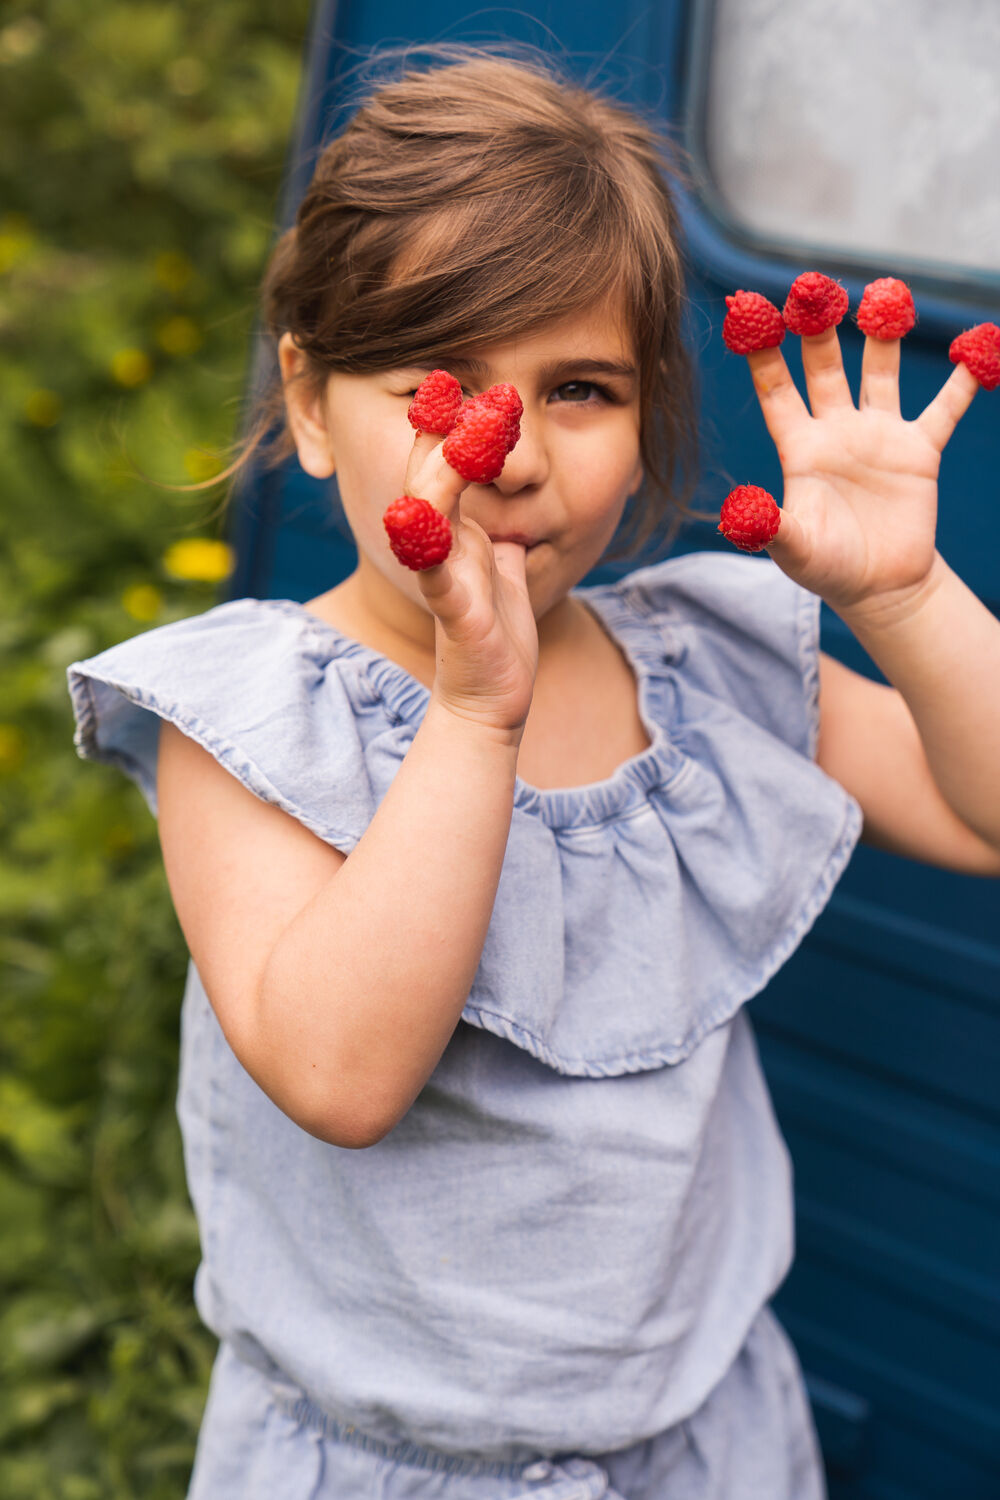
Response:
column 869, row 129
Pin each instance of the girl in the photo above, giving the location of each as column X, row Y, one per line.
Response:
column 477, row 867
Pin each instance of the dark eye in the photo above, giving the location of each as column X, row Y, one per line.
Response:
column 580, row 392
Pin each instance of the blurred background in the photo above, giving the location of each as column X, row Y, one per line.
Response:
column 141, row 152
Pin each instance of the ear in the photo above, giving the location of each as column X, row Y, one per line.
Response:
column 637, row 478
column 306, row 415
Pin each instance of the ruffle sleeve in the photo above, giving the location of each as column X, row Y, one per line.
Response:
column 254, row 687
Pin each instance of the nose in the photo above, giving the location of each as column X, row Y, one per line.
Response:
column 527, row 464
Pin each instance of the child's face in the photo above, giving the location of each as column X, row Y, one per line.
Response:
column 562, row 489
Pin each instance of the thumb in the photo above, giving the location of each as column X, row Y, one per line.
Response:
column 512, row 561
column 790, row 547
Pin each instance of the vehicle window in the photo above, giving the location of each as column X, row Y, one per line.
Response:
column 868, row 130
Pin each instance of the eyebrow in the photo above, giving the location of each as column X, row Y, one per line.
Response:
column 547, row 374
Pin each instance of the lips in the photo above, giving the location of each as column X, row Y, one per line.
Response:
column 519, row 537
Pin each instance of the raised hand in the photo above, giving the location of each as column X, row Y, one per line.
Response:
column 859, row 508
column 486, row 639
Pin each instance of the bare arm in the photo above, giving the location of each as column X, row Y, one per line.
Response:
column 338, row 982
column 870, row 743
column 940, row 647
column 365, row 986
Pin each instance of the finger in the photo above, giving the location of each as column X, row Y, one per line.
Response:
column 431, row 477
column 823, row 366
column 880, row 375
column 782, row 407
column 949, row 406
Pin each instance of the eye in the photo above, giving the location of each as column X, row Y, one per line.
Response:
column 582, row 392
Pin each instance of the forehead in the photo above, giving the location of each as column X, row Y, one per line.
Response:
column 594, row 342
column 598, row 331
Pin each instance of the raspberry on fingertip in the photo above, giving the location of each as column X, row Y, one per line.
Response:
column 751, row 323
column 979, row 350
column 814, row 303
column 435, row 403
column 886, row 310
column 419, row 535
column 750, row 517
column 479, row 442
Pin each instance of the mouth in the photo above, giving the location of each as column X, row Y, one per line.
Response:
column 519, row 537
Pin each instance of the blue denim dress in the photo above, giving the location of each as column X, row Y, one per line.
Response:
column 552, row 1277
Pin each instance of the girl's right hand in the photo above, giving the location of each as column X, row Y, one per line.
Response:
column 486, row 639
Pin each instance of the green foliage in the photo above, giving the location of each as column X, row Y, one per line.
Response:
column 141, row 150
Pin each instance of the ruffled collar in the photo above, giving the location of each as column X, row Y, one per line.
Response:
column 651, row 650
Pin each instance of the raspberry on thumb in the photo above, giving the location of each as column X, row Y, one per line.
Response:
column 749, row 518
column 979, row 350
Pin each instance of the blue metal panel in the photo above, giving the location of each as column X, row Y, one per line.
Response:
column 881, row 1037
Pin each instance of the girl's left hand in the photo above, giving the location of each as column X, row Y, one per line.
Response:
column 859, row 509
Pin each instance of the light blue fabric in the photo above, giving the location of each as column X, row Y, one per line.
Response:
column 564, row 1245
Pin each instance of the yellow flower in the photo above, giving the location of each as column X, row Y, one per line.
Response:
column 131, row 367
column 187, row 75
column 199, row 559
column 201, row 465
column 17, row 239
column 179, row 335
column 119, row 839
column 172, row 270
column 143, row 601
column 43, row 408
column 13, row 747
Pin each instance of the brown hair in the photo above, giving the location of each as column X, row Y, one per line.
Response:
column 477, row 200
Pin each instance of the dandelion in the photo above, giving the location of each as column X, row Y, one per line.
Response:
column 43, row 408
column 119, row 840
column 131, row 367
column 179, row 335
column 187, row 76
column 199, row 560
column 17, row 239
column 200, row 465
column 172, row 270
column 143, row 601
column 21, row 39
column 13, row 748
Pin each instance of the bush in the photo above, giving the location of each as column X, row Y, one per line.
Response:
column 141, row 151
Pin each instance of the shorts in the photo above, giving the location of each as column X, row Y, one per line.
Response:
column 753, row 1438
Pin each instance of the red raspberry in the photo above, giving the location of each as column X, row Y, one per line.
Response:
column 435, row 403
column 506, row 399
column 752, row 323
column 814, row 303
column 979, row 350
column 749, row 518
column 419, row 535
column 479, row 441
column 886, row 310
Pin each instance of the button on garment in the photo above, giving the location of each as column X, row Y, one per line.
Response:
column 564, row 1245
